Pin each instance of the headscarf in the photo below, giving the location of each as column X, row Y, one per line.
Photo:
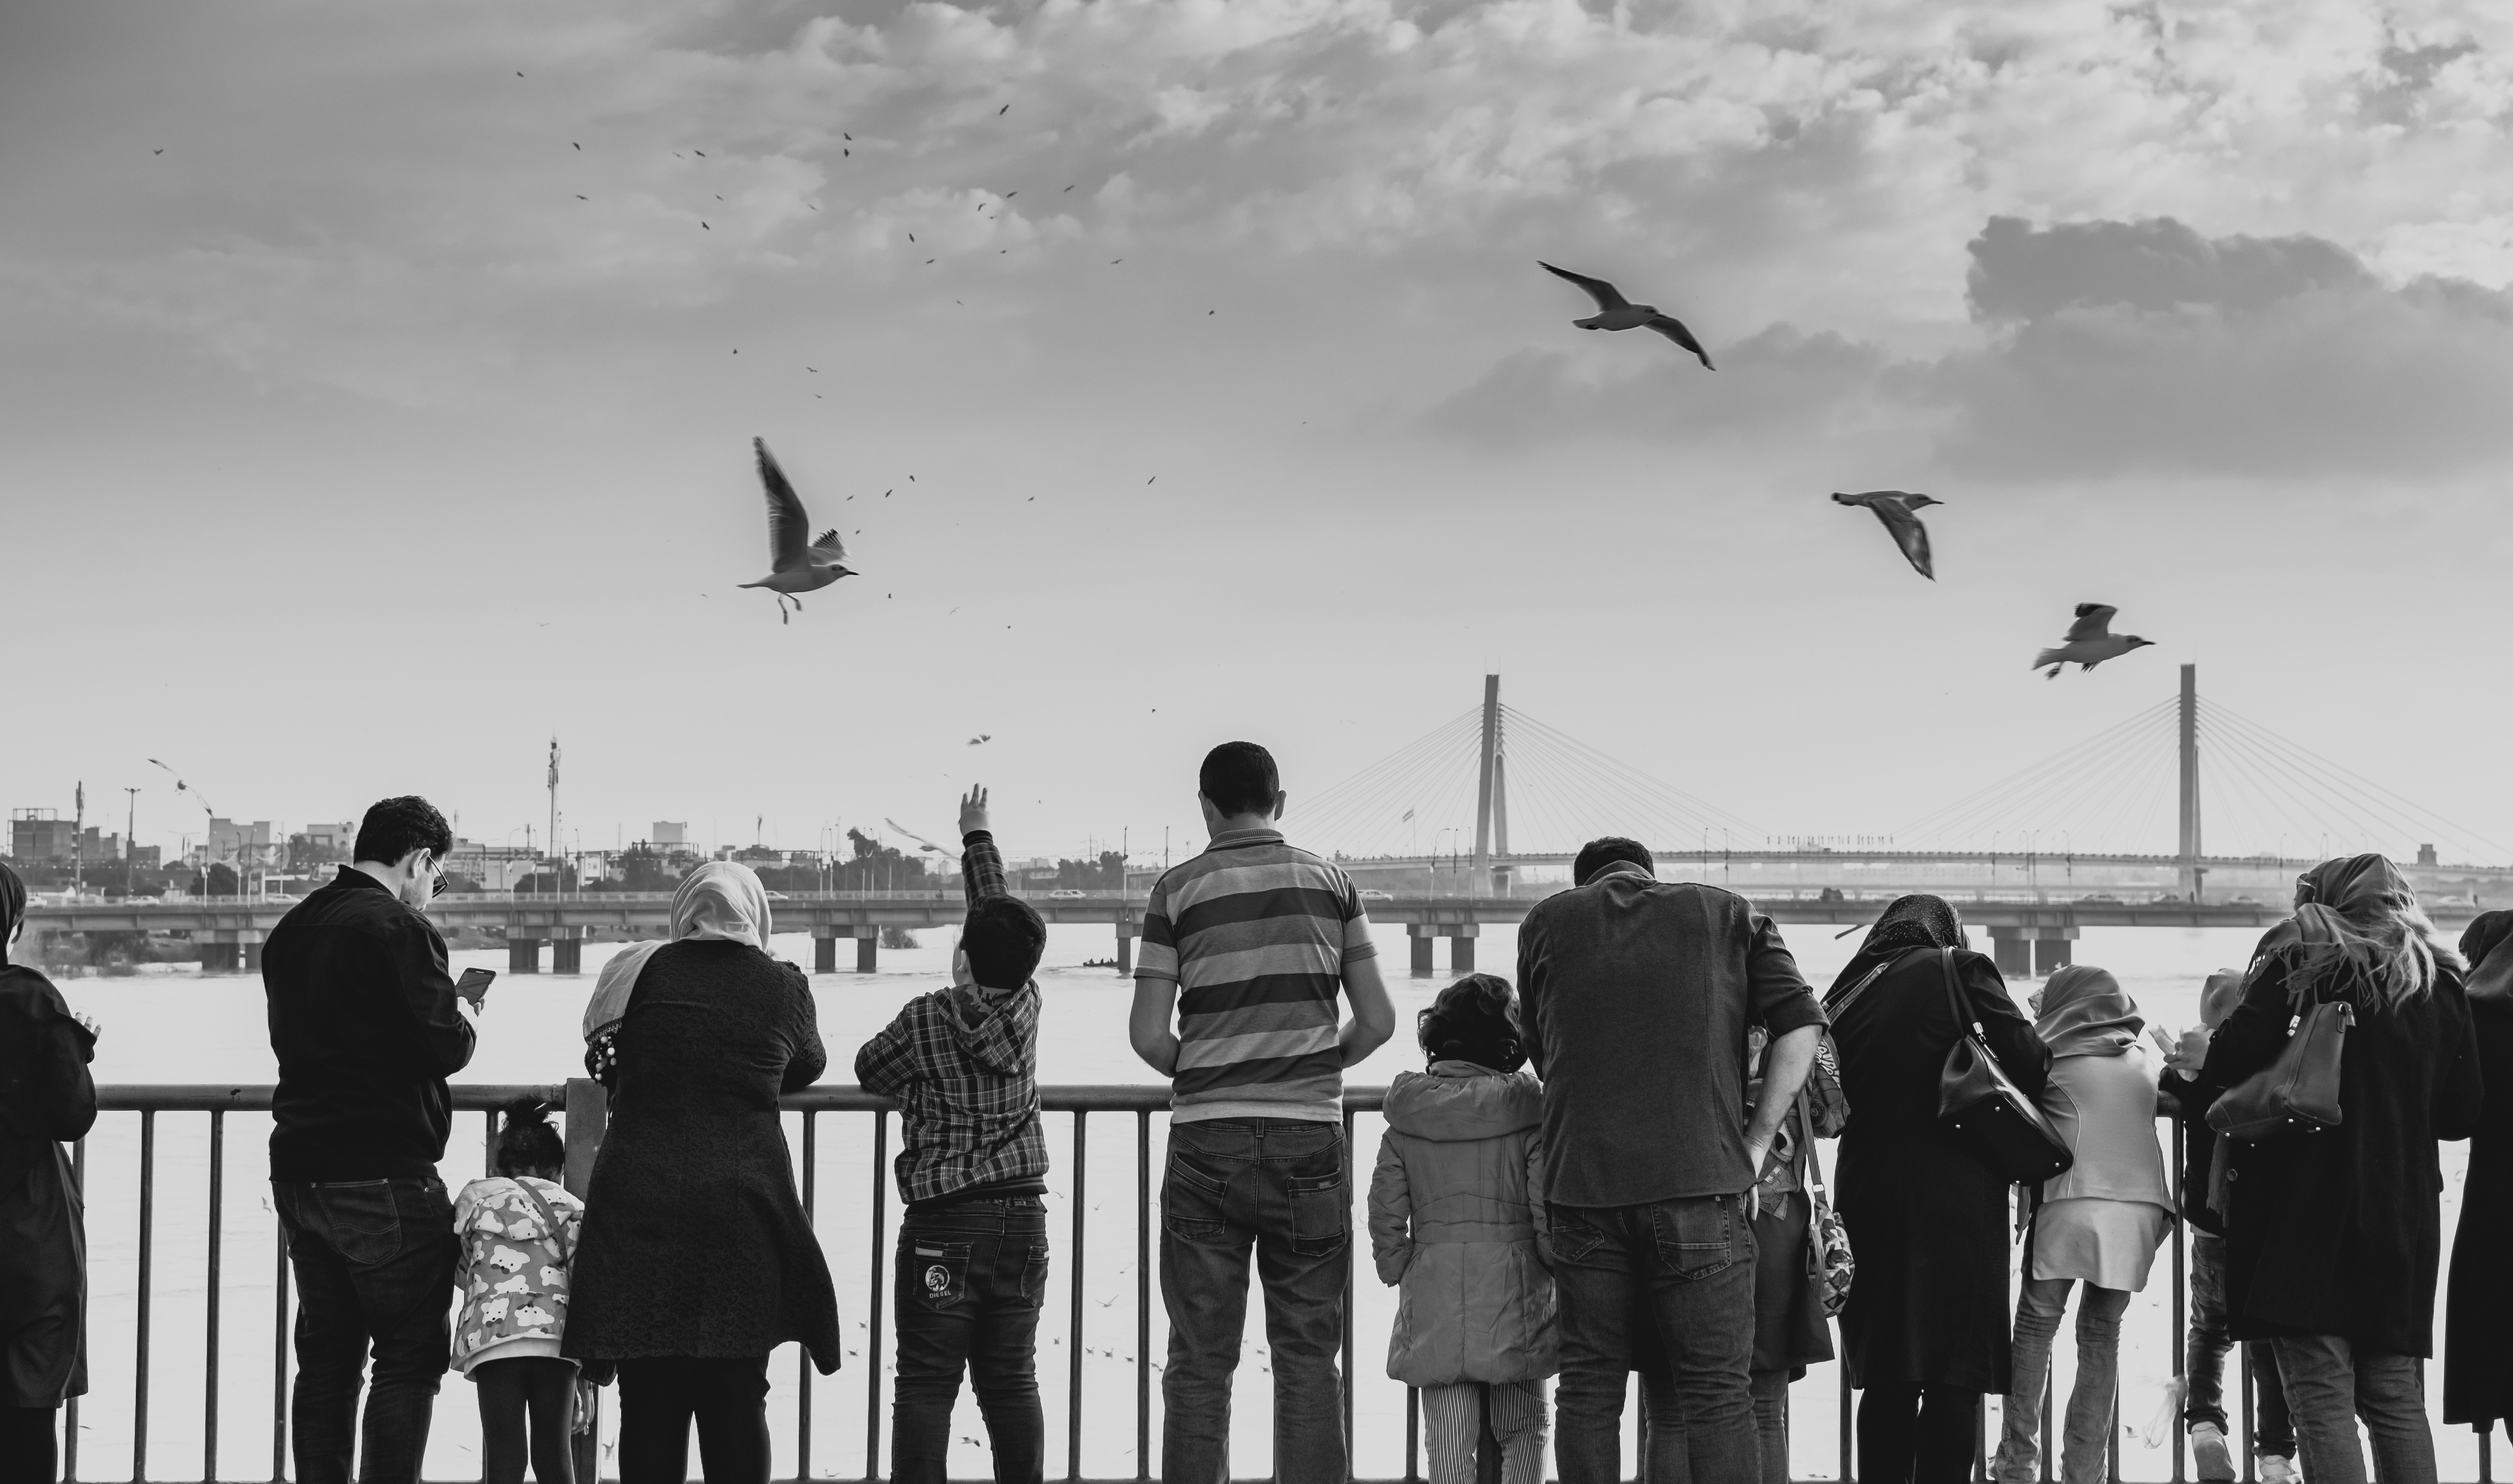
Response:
column 2490, row 974
column 1916, row 921
column 12, row 906
column 2085, row 1012
column 721, row 900
column 2340, row 906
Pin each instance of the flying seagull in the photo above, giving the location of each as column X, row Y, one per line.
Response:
column 1616, row 313
column 1896, row 509
column 2089, row 642
column 983, row 737
column 793, row 567
column 922, row 842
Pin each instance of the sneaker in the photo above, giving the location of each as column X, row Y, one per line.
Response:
column 2276, row 1469
column 2216, row 1462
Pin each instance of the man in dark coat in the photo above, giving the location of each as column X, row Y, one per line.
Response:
column 367, row 1024
column 46, row 1096
column 1638, row 994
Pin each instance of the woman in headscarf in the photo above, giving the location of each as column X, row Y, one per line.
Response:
column 697, row 1259
column 46, row 1096
column 2478, row 1306
column 2098, row 1222
column 1924, row 1331
column 2332, row 1236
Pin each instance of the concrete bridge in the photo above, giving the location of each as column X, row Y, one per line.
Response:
column 2031, row 931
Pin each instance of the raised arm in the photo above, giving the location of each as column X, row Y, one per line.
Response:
column 981, row 864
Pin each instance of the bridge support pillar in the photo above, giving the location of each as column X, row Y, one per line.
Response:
column 216, row 957
column 567, row 955
column 1419, row 936
column 1461, row 947
column 2013, row 948
column 2053, row 950
column 252, row 953
column 825, row 952
column 868, row 950
column 1125, row 947
column 523, row 955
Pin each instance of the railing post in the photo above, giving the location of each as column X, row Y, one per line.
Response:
column 1142, row 1293
column 872, row 1329
column 147, row 1251
column 1081, row 1205
column 210, row 1345
column 803, row 1353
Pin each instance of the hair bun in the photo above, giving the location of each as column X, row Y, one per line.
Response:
column 525, row 1110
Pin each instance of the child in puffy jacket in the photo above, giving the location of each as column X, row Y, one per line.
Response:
column 518, row 1228
column 1451, row 1224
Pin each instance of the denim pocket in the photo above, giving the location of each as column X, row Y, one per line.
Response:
column 1321, row 1209
column 1698, row 1235
column 1033, row 1279
column 360, row 1221
column 1570, row 1238
column 932, row 1275
column 1191, row 1201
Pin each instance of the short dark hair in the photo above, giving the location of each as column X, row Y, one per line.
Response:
column 394, row 828
column 1239, row 778
column 1003, row 938
column 1474, row 1019
column 1605, row 850
column 525, row 1142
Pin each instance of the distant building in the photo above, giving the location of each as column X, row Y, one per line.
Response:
column 342, row 836
column 496, row 868
column 40, row 834
column 669, row 834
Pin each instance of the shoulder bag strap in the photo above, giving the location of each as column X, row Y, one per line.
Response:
column 1809, row 1165
column 1954, row 996
column 549, row 1216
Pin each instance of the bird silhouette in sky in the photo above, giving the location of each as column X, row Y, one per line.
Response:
column 793, row 567
column 1616, row 312
column 1896, row 509
column 983, row 737
column 2089, row 642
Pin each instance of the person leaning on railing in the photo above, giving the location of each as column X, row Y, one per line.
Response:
column 46, row 1096
column 2333, row 1235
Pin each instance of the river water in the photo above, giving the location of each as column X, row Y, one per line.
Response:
column 175, row 1027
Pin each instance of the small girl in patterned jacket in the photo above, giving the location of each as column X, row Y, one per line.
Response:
column 518, row 1228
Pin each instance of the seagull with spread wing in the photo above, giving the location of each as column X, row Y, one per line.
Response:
column 1895, row 509
column 1616, row 312
column 2089, row 642
column 793, row 567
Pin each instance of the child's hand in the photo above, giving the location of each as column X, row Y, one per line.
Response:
column 972, row 811
column 2192, row 1053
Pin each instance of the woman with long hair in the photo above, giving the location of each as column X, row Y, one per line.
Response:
column 2478, row 1306
column 2333, row 1235
column 695, row 1258
column 1925, row 1330
column 46, row 1097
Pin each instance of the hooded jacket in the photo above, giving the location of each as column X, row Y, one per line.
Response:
column 1451, row 1224
column 962, row 1064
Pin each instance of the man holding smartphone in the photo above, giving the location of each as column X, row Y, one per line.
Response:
column 368, row 1023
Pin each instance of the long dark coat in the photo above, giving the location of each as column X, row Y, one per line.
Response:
column 46, row 1096
column 694, row 1242
column 2339, row 1232
column 2478, row 1306
column 1927, row 1220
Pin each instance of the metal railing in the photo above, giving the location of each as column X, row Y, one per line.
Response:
column 585, row 1106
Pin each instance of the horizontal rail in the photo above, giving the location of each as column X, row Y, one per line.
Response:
column 488, row 1096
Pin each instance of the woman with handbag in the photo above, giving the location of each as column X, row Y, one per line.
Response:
column 2350, row 1055
column 1925, row 1330
column 2478, row 1305
column 1789, row 1278
column 2098, row 1222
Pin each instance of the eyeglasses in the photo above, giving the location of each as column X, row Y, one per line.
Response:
column 438, row 889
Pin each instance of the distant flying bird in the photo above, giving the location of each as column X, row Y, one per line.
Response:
column 793, row 567
column 983, row 737
column 999, row 112
column 920, row 839
column 156, row 151
column 1895, row 508
column 1620, row 313
column 2089, row 642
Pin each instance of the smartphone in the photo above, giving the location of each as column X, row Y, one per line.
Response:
column 2163, row 1040
column 474, row 986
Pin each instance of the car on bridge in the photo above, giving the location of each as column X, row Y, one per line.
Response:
column 1374, row 893
column 1066, row 894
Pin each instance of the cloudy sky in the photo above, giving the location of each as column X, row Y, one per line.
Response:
column 376, row 383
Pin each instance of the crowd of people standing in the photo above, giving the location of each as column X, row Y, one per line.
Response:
column 1608, row 1170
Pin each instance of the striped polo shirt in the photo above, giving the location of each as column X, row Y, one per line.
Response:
column 1256, row 936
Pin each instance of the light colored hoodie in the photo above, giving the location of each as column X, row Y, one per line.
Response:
column 1451, row 1224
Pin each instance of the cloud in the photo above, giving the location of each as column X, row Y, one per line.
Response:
column 2103, row 349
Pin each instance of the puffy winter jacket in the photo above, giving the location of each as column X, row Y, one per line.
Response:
column 1450, row 1224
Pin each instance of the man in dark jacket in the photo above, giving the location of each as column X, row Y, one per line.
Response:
column 368, row 1025
column 1637, row 997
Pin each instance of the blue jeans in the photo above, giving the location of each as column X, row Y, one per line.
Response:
column 1283, row 1187
column 2087, row 1425
column 971, row 1277
column 1683, row 1268
column 375, row 1261
column 2329, row 1383
column 2203, row 1359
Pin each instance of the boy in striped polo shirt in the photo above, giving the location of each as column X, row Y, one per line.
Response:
column 1249, row 945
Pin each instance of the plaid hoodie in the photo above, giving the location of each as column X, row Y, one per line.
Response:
column 962, row 1064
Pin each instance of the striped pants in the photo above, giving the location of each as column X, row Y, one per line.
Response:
column 1451, row 1416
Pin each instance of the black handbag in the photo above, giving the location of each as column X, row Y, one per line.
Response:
column 2298, row 1092
column 1985, row 1111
